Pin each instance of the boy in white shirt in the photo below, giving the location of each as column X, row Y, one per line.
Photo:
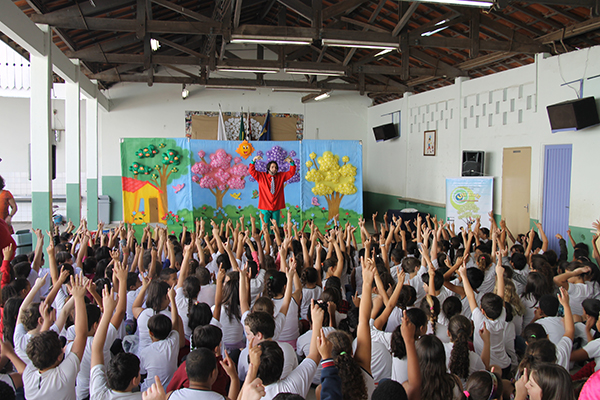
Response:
column 124, row 369
column 160, row 358
column 493, row 315
column 545, row 315
column 53, row 375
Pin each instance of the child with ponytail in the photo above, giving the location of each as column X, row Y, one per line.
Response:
column 463, row 362
column 431, row 307
column 483, row 385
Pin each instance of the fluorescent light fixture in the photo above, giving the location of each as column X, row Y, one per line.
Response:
column 270, row 39
column 225, row 87
column 154, row 44
column 436, row 30
column 359, row 44
column 255, row 70
column 323, row 96
column 296, row 90
column 184, row 92
column 304, row 71
column 472, row 3
column 383, row 52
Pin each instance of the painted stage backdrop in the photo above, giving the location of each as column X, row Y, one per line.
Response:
column 174, row 181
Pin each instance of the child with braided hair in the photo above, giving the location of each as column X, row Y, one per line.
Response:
column 461, row 361
column 431, row 307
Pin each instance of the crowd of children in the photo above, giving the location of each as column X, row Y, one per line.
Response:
column 244, row 311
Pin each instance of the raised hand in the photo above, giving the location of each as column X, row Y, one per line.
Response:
column 324, row 345
column 7, row 252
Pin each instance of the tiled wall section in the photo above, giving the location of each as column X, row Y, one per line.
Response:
column 19, row 185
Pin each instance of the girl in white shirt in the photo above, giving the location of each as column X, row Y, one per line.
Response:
column 400, row 363
column 460, row 360
column 157, row 302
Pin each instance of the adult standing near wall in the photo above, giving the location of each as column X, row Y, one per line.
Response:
column 7, row 201
column 271, row 198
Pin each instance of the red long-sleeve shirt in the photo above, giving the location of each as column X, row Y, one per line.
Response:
column 267, row 200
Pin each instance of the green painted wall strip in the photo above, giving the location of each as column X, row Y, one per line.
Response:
column 74, row 202
column 92, row 202
column 112, row 187
column 41, row 211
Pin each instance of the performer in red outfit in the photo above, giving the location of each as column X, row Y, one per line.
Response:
column 271, row 198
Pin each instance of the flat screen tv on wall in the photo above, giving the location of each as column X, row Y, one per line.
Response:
column 385, row 132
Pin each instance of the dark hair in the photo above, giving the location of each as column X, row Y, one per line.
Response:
column 166, row 273
column 418, row 318
column 93, row 315
column 89, row 265
column 410, row 264
column 534, row 332
column 549, row 305
column 1, row 183
column 431, row 307
column 44, row 349
column 191, row 288
column 223, row 262
column 261, row 322
column 481, row 385
column 537, row 286
column 460, row 329
column 102, row 253
column 122, row 369
column 156, row 294
column 452, row 306
column 275, row 284
column 309, row 275
column 6, row 392
column 438, row 279
column 408, row 296
column 20, row 284
column 518, row 261
column 288, row 396
column 132, row 279
column 323, row 306
column 206, row 336
column 436, row 383
column 203, row 275
column 398, row 254
column 264, row 303
column 492, row 304
column 160, row 326
column 200, row 364
column 591, row 307
column 475, row 277
column 11, row 311
column 31, row 316
column 9, row 292
column 231, row 296
column 389, row 390
column 332, row 294
column 554, row 381
column 540, row 351
column 199, row 315
column 269, row 168
column 22, row 269
column 353, row 386
column 271, row 362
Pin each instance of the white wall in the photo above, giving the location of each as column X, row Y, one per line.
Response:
column 159, row 111
column 507, row 109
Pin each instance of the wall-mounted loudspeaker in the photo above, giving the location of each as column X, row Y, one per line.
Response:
column 473, row 163
column 573, row 115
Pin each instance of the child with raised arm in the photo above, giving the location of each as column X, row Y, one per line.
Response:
column 52, row 374
column 123, row 373
column 493, row 315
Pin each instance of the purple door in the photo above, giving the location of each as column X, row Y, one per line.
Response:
column 557, row 192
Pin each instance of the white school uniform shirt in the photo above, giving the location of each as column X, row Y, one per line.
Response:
column 160, row 359
column 593, row 351
column 83, row 376
column 520, row 287
column 489, row 280
column 563, row 352
column 131, row 296
column 358, row 280
column 183, row 305
column 416, row 282
column 530, row 304
column 207, row 294
column 257, row 285
column 496, row 327
column 290, row 361
column 578, row 292
column 554, row 327
column 290, row 330
column 441, row 331
column 142, row 326
column 394, row 320
column 475, row 362
column 21, row 338
column 31, row 278
column 298, row 382
column 55, row 383
column 400, row 369
column 303, row 348
column 309, row 294
column 233, row 330
column 99, row 389
column 466, row 308
column 444, row 294
column 194, row 394
column 381, row 353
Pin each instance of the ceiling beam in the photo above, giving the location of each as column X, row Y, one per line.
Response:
column 299, row 7
column 181, row 48
column 405, row 18
column 571, row 31
column 572, row 3
column 129, row 25
column 342, row 7
column 183, row 11
column 365, row 25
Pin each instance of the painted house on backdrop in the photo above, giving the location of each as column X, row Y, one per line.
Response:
column 141, row 202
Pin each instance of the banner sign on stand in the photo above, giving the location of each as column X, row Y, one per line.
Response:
column 467, row 199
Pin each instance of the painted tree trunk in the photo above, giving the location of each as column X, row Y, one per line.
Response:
column 219, row 196
column 333, row 203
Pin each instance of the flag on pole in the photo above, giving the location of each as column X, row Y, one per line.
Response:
column 242, row 134
column 265, row 132
column 221, row 128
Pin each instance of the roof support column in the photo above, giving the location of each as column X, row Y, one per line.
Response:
column 73, row 148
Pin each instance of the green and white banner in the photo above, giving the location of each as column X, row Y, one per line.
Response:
column 468, row 198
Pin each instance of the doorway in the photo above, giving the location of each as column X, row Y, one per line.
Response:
column 557, row 192
column 516, row 188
